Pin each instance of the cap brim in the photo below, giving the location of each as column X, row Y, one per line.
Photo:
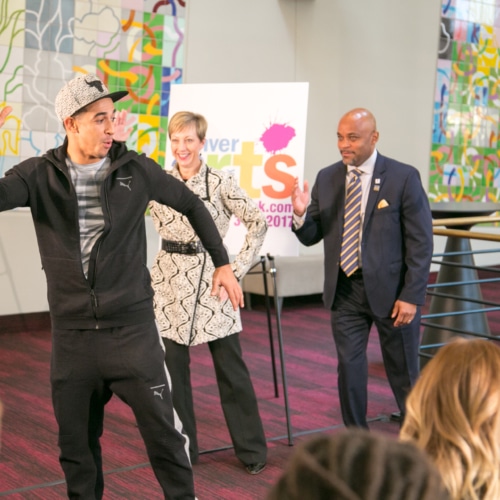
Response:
column 116, row 96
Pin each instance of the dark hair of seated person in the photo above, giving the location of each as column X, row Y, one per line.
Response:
column 356, row 464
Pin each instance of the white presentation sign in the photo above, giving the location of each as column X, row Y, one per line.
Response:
column 257, row 131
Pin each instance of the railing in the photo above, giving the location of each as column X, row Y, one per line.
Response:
column 455, row 304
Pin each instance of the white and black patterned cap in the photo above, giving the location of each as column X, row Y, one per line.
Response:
column 80, row 92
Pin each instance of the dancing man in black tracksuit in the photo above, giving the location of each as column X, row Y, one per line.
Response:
column 88, row 198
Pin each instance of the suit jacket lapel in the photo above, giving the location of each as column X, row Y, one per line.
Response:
column 376, row 185
column 339, row 180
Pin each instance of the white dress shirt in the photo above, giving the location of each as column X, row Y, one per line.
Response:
column 366, row 179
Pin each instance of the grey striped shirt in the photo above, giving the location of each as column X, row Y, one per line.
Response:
column 87, row 180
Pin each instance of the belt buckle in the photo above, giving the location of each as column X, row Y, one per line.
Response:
column 192, row 246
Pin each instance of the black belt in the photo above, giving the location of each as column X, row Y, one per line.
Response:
column 189, row 248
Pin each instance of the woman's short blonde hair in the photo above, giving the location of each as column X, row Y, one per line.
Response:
column 183, row 119
column 453, row 413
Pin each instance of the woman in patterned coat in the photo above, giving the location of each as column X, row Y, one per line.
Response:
column 186, row 313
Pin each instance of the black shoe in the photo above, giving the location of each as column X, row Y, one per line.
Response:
column 255, row 468
column 396, row 417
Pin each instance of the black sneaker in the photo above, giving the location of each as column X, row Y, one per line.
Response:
column 255, row 468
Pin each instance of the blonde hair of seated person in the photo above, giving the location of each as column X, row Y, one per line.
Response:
column 453, row 413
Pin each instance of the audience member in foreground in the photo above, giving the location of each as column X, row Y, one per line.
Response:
column 358, row 465
column 453, row 414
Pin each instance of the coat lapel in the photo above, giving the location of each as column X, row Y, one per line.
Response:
column 375, row 187
column 338, row 182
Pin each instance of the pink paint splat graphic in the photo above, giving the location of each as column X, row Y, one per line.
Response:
column 277, row 137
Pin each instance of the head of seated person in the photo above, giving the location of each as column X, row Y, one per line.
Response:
column 453, row 413
column 356, row 464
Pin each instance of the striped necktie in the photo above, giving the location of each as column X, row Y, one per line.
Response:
column 349, row 253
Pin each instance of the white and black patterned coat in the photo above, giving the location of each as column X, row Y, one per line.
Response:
column 185, row 311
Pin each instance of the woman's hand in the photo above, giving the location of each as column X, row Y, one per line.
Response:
column 6, row 111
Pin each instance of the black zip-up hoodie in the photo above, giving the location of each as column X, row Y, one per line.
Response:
column 117, row 291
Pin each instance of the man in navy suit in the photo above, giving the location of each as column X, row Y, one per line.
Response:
column 394, row 253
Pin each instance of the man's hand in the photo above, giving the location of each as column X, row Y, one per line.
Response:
column 300, row 199
column 225, row 281
column 122, row 126
column 403, row 312
column 6, row 111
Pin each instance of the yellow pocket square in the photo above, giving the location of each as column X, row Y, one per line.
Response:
column 382, row 204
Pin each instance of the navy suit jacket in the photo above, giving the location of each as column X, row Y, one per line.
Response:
column 397, row 242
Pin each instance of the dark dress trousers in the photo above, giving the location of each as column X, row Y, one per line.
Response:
column 396, row 250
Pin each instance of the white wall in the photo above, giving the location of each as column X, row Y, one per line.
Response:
column 381, row 55
column 23, row 288
column 22, row 281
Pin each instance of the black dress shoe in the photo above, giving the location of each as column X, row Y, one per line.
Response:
column 255, row 468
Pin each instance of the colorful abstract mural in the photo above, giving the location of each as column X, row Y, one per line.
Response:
column 131, row 44
column 465, row 163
